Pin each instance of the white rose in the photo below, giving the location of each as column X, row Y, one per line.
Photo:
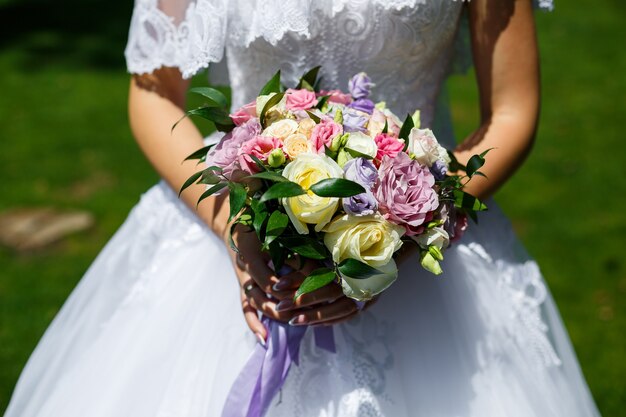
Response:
column 369, row 239
column 436, row 236
column 307, row 169
column 281, row 129
column 365, row 289
column 362, row 143
column 423, row 146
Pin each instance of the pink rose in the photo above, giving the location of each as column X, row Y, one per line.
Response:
column 245, row 113
column 337, row 96
column 300, row 99
column 387, row 145
column 226, row 153
column 259, row 146
column 405, row 193
column 323, row 134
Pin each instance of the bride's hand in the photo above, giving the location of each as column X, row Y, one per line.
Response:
column 263, row 290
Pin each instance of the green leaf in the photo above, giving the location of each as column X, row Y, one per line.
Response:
column 309, row 78
column 209, row 177
column 260, row 215
column 486, row 152
column 231, row 241
column 258, row 162
column 357, row 269
column 211, row 191
column 468, row 201
column 313, row 117
column 272, row 86
column 282, row 190
column 214, row 96
column 321, row 101
column 337, row 187
column 386, row 128
column 406, row 129
column 237, row 197
column 269, row 175
column 455, row 165
column 190, row 181
column 274, row 100
column 307, row 247
column 316, row 280
column 200, row 153
column 214, row 114
column 474, row 164
column 276, row 225
column 278, row 255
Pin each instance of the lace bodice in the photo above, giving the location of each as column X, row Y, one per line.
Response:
column 406, row 46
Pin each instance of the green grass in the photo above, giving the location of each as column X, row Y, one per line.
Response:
column 66, row 143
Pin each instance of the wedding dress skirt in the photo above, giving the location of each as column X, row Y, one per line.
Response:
column 155, row 329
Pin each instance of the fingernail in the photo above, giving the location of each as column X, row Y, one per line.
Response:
column 298, row 320
column 285, row 304
column 261, row 339
column 282, row 284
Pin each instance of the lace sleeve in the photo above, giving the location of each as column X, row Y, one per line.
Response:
column 186, row 34
column 462, row 61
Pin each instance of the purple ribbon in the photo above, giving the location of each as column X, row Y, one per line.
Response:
column 265, row 372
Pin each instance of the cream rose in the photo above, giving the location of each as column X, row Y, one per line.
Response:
column 307, row 169
column 369, row 239
column 281, row 129
column 306, row 127
column 425, row 149
column 362, row 143
column 295, row 144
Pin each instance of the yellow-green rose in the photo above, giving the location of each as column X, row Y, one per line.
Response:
column 307, row 169
column 369, row 239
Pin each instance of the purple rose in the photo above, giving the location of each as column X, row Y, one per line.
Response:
column 361, row 171
column 439, row 170
column 363, row 104
column 225, row 154
column 405, row 193
column 363, row 204
column 360, row 86
column 354, row 121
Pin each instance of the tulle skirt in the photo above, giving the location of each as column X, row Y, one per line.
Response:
column 155, row 329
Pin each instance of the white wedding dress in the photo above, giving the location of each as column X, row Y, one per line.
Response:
column 155, row 328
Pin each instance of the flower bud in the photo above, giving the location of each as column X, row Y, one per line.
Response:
column 276, row 158
column 416, row 119
column 435, row 252
column 429, row 263
column 343, row 157
column 338, row 117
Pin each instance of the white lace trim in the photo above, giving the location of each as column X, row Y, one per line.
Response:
column 156, row 40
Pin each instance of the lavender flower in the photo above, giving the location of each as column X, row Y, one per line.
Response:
column 361, row 171
column 439, row 170
column 363, row 104
column 360, row 86
column 354, row 121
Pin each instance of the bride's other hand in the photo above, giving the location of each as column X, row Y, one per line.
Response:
column 263, row 290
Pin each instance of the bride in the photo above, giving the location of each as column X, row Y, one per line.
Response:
column 155, row 328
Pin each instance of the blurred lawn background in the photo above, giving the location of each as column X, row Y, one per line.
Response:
column 67, row 144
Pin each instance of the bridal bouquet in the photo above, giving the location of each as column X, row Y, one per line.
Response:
column 334, row 177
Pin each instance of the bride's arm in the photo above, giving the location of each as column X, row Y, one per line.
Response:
column 507, row 71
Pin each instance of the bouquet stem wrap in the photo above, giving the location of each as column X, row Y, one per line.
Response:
column 265, row 372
